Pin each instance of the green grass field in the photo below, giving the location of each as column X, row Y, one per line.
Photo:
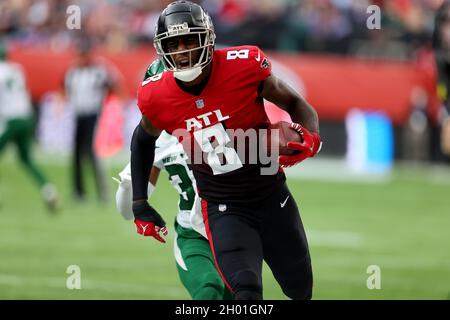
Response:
column 401, row 225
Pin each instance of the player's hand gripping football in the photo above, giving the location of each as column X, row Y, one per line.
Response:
column 148, row 222
column 308, row 147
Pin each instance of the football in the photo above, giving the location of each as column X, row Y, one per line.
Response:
column 285, row 134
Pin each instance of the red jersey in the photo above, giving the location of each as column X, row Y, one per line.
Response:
column 228, row 101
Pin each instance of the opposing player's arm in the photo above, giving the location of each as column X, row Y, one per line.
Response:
column 124, row 194
column 154, row 175
column 277, row 91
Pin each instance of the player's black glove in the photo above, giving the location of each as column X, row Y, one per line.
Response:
column 148, row 221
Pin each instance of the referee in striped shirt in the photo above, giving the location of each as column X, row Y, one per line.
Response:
column 86, row 86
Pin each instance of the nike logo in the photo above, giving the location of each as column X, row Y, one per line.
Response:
column 282, row 204
column 146, row 81
column 259, row 56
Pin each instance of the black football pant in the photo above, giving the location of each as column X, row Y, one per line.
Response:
column 242, row 235
column 84, row 150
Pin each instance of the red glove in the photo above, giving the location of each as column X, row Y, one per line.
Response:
column 150, row 229
column 148, row 222
column 308, row 148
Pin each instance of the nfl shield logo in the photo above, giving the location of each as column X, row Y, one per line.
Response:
column 222, row 207
column 200, row 103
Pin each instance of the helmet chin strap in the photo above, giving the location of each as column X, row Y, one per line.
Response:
column 188, row 75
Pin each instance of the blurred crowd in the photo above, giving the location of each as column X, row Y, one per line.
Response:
column 337, row 26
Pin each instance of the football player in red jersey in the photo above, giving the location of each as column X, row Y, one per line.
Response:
column 249, row 216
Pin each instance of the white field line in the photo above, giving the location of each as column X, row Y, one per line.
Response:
column 334, row 170
column 335, row 239
column 92, row 285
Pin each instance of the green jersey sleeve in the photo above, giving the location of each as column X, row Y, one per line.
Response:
column 155, row 68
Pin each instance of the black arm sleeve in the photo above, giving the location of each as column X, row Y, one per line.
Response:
column 142, row 156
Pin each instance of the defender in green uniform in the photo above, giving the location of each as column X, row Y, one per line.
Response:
column 17, row 123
